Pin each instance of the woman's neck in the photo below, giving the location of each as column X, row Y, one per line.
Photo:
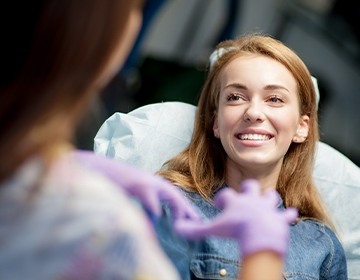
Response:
column 267, row 175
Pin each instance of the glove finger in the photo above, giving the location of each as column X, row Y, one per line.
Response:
column 151, row 202
column 291, row 214
column 177, row 202
column 251, row 186
column 272, row 197
column 181, row 211
column 191, row 229
column 222, row 198
column 199, row 229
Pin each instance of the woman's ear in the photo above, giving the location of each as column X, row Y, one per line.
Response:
column 216, row 127
column 302, row 130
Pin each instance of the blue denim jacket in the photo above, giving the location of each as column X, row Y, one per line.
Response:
column 314, row 251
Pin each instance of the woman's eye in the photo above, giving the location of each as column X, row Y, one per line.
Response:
column 275, row 99
column 233, row 97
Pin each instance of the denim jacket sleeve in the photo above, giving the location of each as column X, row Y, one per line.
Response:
column 336, row 267
column 315, row 252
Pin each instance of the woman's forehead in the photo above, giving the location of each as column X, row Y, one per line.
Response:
column 256, row 70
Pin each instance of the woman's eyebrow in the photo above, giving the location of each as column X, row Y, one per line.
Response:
column 267, row 87
column 272, row 87
column 236, row 85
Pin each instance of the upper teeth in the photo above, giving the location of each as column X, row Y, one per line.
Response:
column 254, row 137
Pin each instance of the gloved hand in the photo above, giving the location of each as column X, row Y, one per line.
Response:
column 251, row 218
column 147, row 187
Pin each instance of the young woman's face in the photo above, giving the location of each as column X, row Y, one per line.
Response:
column 258, row 115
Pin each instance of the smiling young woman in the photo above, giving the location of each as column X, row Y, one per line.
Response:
column 256, row 118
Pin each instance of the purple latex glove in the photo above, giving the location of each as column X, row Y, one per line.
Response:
column 251, row 218
column 147, row 187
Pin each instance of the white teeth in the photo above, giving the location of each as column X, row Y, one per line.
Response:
column 260, row 137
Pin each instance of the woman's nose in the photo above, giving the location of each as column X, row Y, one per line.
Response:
column 254, row 112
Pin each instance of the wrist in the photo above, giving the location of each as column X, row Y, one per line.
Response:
column 262, row 265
